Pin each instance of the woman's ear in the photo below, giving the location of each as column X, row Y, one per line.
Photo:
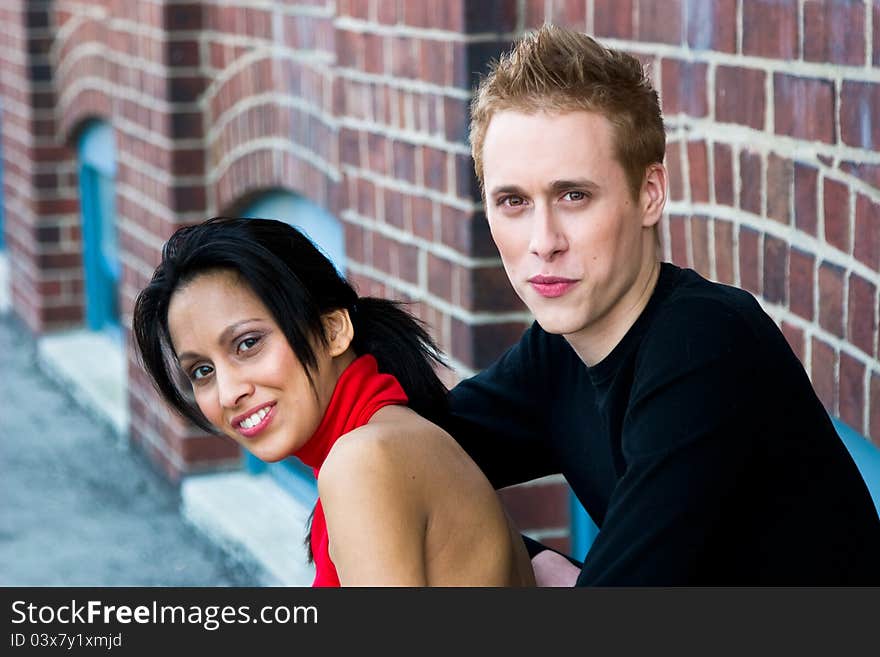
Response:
column 338, row 330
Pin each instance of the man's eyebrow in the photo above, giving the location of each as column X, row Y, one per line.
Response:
column 580, row 183
column 505, row 189
column 225, row 336
column 555, row 187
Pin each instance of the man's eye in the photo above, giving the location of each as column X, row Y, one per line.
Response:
column 201, row 372
column 247, row 344
column 511, row 201
column 575, row 196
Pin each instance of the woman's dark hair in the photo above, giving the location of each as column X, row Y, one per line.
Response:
column 298, row 284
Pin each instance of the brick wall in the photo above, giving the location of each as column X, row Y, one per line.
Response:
column 361, row 106
column 40, row 197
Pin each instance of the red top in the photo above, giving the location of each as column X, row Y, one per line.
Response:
column 360, row 392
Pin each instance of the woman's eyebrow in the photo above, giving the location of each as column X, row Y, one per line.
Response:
column 225, row 336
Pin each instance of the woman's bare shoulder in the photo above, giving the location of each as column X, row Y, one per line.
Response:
column 397, row 447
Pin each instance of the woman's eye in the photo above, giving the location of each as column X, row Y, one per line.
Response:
column 201, row 372
column 247, row 344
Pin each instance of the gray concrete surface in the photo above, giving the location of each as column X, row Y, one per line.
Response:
column 77, row 508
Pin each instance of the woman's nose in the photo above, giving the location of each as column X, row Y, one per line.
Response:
column 231, row 388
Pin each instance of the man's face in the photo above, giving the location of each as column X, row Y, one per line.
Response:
column 575, row 243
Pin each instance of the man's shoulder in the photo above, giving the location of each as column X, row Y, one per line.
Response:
column 701, row 320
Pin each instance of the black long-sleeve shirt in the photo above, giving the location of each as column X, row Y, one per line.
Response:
column 698, row 446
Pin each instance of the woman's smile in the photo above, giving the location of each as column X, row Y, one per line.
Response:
column 253, row 422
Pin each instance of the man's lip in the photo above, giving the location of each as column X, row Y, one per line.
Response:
column 237, row 420
column 550, row 280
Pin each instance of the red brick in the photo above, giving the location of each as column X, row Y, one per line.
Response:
column 780, row 176
column 700, row 246
column 711, row 25
column 724, row 254
column 537, row 506
column 740, row 96
column 434, row 166
column 823, row 370
column 440, row 277
column 861, row 314
column 874, row 405
column 205, row 449
column 803, row 107
column 435, row 62
column 837, row 214
column 404, row 161
column 869, row 173
column 392, row 207
column 851, row 391
column 374, row 53
column 867, row 232
column 613, row 18
column 723, row 174
column 571, row 14
column 698, row 167
column 535, row 14
column 795, row 338
column 488, row 16
column 775, row 267
column 387, row 11
column 678, row 229
column 673, row 166
column 876, row 60
column 805, row 186
column 831, row 281
column 860, row 114
column 749, row 275
column 751, row 177
column 479, row 345
column 489, row 289
column 834, row 32
column 661, row 21
column 770, row 28
column 684, row 88
column 365, row 201
column 801, row 283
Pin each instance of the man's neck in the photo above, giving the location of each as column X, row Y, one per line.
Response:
column 595, row 342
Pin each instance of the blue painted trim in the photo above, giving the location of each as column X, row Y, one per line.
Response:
column 101, row 262
column 325, row 230
column 96, row 146
column 865, row 454
column 583, row 529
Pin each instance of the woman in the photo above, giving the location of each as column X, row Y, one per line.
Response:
column 248, row 330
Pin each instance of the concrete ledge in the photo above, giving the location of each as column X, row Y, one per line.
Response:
column 254, row 520
column 91, row 365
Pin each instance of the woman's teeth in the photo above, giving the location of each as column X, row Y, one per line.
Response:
column 255, row 419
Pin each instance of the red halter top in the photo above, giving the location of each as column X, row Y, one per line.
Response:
column 361, row 391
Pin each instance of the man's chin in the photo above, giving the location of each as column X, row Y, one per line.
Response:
column 558, row 325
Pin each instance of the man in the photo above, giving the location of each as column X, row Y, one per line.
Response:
column 673, row 406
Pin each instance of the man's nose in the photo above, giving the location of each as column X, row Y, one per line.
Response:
column 232, row 388
column 548, row 238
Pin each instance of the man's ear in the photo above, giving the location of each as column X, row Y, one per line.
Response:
column 338, row 330
column 653, row 195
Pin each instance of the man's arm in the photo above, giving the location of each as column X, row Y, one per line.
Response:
column 500, row 416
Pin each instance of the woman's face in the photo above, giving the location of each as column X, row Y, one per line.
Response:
column 246, row 378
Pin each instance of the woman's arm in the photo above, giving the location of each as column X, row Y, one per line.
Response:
column 376, row 518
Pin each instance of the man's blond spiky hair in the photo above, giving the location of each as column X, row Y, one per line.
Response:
column 560, row 70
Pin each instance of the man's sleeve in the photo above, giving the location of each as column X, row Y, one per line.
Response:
column 500, row 416
column 687, row 441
